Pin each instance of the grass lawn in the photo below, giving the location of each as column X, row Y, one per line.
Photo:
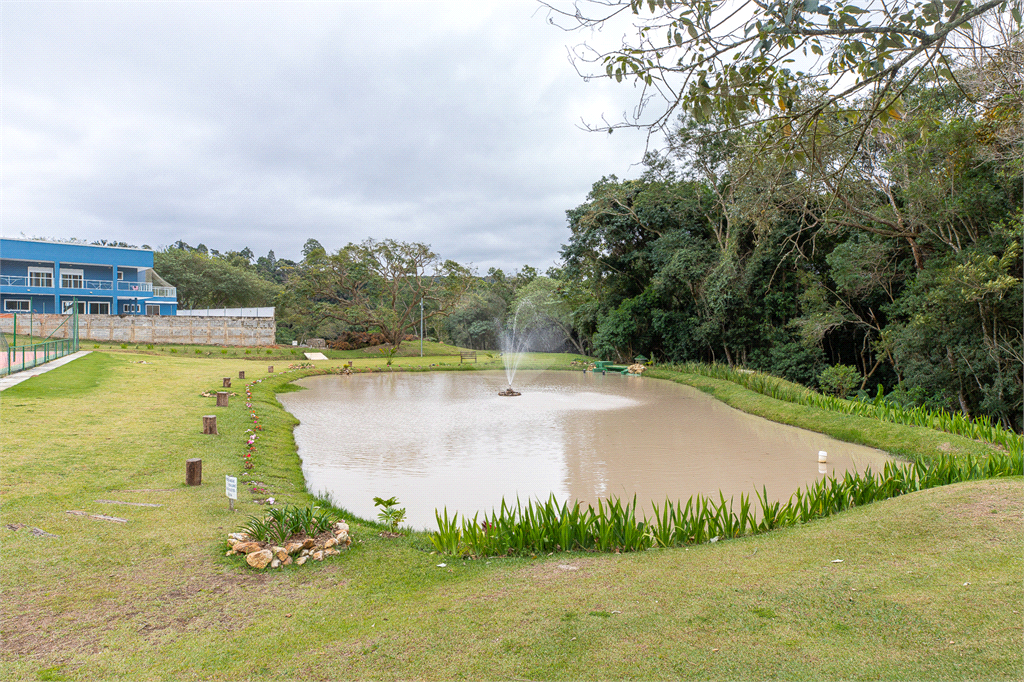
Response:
column 929, row 586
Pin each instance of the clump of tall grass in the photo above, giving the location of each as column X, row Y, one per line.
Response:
column 614, row 525
column 278, row 525
column 979, row 428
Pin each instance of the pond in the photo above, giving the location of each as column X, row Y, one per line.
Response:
column 446, row 439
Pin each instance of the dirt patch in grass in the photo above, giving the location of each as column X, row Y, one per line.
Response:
column 999, row 502
column 559, row 568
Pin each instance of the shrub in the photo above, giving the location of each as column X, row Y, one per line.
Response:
column 279, row 525
column 839, row 379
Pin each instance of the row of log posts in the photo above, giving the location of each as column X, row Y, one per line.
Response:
column 194, row 467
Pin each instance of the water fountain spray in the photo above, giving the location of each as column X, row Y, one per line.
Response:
column 513, row 341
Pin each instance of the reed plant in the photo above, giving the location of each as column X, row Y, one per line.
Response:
column 979, row 428
column 614, row 525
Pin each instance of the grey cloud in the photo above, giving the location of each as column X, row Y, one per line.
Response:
column 263, row 125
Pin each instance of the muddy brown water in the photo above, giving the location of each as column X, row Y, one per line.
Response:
column 446, row 439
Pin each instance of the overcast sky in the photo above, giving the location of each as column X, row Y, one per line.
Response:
column 264, row 124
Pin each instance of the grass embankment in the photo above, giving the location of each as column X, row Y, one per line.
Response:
column 929, row 586
column 908, row 442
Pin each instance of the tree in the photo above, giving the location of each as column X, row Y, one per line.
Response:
column 313, row 249
column 548, row 311
column 748, row 61
column 205, row 281
column 379, row 285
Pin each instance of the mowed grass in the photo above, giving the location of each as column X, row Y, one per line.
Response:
column 929, row 586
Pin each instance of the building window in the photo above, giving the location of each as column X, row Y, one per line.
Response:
column 72, row 279
column 15, row 305
column 152, row 309
column 120, row 275
column 131, row 308
column 99, row 308
column 68, row 307
column 40, row 277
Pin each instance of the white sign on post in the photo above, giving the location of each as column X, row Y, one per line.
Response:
column 231, row 490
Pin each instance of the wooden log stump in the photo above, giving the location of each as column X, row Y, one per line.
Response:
column 241, row 374
column 210, row 424
column 194, row 471
column 227, row 382
column 270, row 369
column 222, row 398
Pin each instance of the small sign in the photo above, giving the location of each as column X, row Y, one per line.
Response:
column 231, row 487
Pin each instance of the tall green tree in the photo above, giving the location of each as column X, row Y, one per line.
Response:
column 205, row 281
column 378, row 285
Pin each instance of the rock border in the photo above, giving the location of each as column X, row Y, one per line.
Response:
column 298, row 550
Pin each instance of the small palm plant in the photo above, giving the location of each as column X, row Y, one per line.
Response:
column 389, row 355
column 389, row 512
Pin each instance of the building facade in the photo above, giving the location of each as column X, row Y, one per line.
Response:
column 52, row 277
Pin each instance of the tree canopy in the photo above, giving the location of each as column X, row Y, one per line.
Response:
column 745, row 61
column 208, row 281
column 377, row 285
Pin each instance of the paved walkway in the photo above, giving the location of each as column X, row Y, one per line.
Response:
column 24, row 375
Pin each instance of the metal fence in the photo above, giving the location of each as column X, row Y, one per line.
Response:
column 18, row 357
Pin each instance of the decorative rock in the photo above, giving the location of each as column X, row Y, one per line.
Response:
column 230, row 552
column 330, row 551
column 331, row 542
column 305, row 552
column 246, row 547
column 341, row 525
column 238, row 536
column 293, row 547
column 287, row 561
column 259, row 559
column 301, row 560
column 275, row 563
column 279, row 552
column 318, row 556
column 309, row 543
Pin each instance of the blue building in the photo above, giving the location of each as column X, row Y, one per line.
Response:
column 48, row 277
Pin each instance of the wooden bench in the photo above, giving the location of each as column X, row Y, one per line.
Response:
column 467, row 355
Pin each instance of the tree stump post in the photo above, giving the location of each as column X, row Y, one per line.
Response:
column 241, row 374
column 270, row 370
column 210, row 424
column 222, row 398
column 194, row 472
column 227, row 382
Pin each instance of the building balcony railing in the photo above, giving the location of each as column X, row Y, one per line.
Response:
column 94, row 285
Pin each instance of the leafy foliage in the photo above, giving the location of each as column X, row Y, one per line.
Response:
column 278, row 525
column 615, row 526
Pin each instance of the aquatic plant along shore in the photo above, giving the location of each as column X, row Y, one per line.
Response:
column 615, row 526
